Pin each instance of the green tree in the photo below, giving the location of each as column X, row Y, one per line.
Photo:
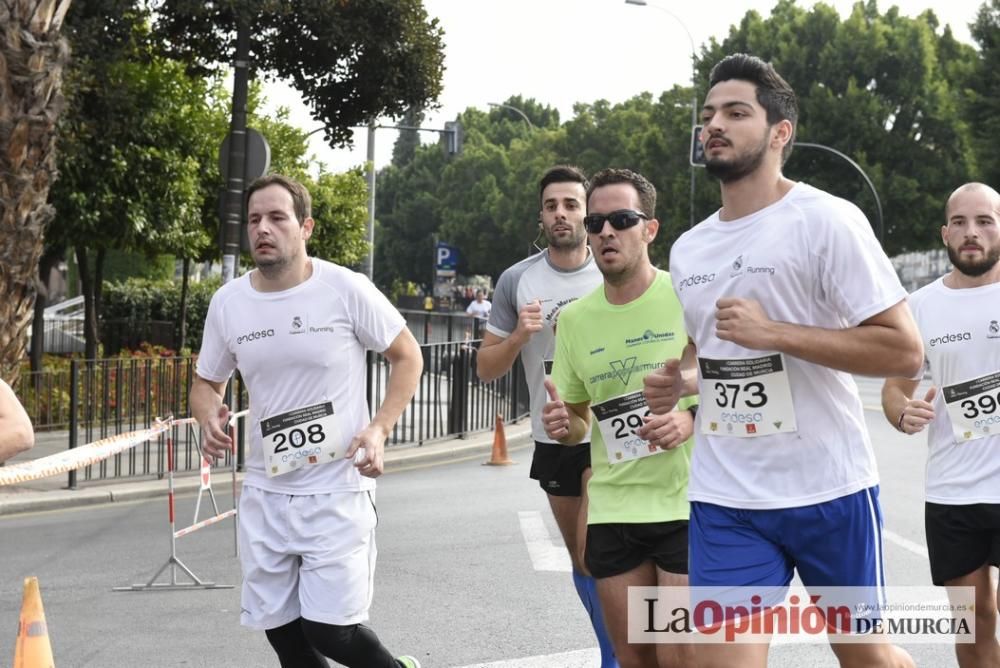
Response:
column 125, row 184
column 340, row 209
column 876, row 87
column 351, row 61
column 983, row 91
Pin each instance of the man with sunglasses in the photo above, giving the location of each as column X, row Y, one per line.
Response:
column 786, row 293
column 522, row 323
column 607, row 341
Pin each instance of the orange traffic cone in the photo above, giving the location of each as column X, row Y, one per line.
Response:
column 32, row 649
column 499, row 455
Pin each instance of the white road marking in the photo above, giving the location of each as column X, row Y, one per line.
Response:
column 545, row 555
column 906, row 543
column 584, row 658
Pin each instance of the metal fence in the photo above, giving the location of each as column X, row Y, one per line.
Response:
column 64, row 334
column 94, row 399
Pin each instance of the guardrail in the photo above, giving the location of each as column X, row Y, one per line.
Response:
column 95, row 399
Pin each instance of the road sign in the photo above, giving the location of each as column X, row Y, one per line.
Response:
column 445, row 259
column 258, row 157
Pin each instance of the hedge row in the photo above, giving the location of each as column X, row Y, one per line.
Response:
column 139, row 300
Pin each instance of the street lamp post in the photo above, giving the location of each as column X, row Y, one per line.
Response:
column 514, row 109
column 368, row 264
column 879, row 224
column 694, row 79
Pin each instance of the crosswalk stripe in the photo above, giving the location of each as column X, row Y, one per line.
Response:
column 905, row 543
column 545, row 555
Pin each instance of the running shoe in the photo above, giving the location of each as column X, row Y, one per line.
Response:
column 407, row 661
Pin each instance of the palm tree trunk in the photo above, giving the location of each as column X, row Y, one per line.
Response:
column 32, row 55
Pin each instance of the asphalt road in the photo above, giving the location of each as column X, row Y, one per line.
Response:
column 470, row 573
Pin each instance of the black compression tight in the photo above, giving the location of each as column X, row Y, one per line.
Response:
column 303, row 643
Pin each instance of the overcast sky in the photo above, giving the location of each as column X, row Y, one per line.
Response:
column 564, row 51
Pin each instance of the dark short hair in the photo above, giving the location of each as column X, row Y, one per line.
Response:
column 647, row 193
column 773, row 92
column 561, row 174
column 301, row 200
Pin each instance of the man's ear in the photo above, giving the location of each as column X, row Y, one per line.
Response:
column 307, row 228
column 652, row 227
column 784, row 132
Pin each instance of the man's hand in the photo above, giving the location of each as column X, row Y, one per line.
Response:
column 215, row 440
column 663, row 387
column 917, row 413
column 744, row 322
column 529, row 321
column 368, row 449
column 555, row 415
column 667, row 431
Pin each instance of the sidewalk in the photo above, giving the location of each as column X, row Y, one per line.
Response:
column 52, row 493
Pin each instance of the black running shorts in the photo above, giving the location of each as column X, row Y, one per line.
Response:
column 613, row 549
column 960, row 539
column 558, row 468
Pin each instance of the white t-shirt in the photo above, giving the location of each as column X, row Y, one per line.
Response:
column 297, row 348
column 809, row 259
column 961, row 333
column 533, row 278
column 479, row 309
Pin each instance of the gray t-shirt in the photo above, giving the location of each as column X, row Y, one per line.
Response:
column 533, row 278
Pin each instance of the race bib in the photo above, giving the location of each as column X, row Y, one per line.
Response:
column 973, row 407
column 618, row 419
column 307, row 436
column 745, row 397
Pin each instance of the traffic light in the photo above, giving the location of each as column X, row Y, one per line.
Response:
column 697, row 157
column 453, row 137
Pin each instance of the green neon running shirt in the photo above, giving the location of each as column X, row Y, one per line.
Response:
column 604, row 350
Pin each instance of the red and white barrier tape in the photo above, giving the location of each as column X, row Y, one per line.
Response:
column 75, row 458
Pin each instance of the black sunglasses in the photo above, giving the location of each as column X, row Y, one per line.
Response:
column 620, row 220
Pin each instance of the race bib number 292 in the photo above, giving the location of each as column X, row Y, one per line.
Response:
column 618, row 420
column 301, row 437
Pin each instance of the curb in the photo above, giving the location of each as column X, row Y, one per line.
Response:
column 443, row 452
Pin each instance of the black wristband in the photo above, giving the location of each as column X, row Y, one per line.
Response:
column 693, row 410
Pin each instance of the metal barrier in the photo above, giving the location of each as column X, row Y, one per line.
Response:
column 173, row 562
column 94, row 399
column 442, row 326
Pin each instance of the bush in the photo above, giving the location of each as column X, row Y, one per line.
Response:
column 137, row 301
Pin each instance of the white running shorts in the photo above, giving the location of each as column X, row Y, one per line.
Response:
column 310, row 556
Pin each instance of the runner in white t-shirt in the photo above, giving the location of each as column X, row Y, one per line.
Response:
column 785, row 292
column 959, row 320
column 526, row 303
column 480, row 306
column 297, row 328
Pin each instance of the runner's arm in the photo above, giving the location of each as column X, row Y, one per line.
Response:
column 885, row 345
column 16, row 433
column 896, row 393
column 212, row 415
column 665, row 386
column 497, row 355
column 405, row 366
column 579, row 423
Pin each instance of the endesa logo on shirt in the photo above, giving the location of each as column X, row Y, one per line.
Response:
column 254, row 336
column 950, row 338
column 695, row 280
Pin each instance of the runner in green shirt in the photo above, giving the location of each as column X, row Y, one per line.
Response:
column 606, row 342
